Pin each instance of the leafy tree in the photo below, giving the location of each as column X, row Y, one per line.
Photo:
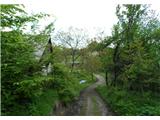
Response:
column 18, row 54
column 135, row 48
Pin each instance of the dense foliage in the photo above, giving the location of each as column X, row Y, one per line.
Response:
column 132, row 65
column 23, row 82
column 130, row 103
column 133, row 62
column 17, row 54
column 129, row 58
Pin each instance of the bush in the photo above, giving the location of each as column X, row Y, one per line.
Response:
column 124, row 102
column 32, row 86
column 43, row 105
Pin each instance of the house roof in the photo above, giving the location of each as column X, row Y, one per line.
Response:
column 48, row 49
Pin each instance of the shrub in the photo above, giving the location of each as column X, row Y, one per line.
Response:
column 124, row 102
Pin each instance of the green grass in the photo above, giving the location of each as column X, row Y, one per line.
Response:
column 44, row 104
column 96, row 111
column 82, row 75
column 83, row 110
column 41, row 105
column 124, row 102
column 102, row 74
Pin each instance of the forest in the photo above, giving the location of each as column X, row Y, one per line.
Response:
column 44, row 72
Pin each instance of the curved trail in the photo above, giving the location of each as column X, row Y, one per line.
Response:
column 88, row 104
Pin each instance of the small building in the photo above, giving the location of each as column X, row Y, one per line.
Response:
column 45, row 58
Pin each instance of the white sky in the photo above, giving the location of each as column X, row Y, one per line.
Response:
column 93, row 15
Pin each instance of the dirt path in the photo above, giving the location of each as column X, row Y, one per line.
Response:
column 88, row 104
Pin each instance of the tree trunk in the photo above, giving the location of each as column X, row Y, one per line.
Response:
column 106, row 78
column 73, row 60
column 92, row 76
column 115, row 61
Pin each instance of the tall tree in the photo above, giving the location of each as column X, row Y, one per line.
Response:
column 74, row 39
column 18, row 51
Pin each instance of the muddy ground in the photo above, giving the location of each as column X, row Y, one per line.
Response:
column 89, row 103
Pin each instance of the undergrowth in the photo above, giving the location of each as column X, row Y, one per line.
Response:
column 130, row 103
column 38, row 95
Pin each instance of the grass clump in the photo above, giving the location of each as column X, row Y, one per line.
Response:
column 130, row 103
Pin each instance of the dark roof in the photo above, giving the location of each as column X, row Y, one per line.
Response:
column 48, row 49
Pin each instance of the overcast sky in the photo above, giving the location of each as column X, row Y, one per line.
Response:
column 93, row 15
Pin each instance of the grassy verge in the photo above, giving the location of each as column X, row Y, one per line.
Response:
column 82, row 75
column 95, row 107
column 131, row 103
column 102, row 74
column 43, row 104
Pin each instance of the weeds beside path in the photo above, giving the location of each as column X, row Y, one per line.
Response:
column 89, row 102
